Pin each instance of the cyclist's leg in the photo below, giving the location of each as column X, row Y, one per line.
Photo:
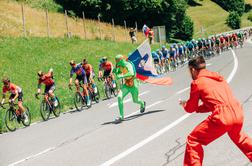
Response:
column 20, row 102
column 77, row 84
column 121, row 95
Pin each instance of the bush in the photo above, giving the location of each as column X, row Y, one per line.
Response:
column 186, row 29
column 234, row 20
column 250, row 16
column 232, row 5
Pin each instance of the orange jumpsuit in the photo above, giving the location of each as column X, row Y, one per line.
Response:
column 227, row 116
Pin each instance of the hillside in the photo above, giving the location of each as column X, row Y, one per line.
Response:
column 212, row 18
column 36, row 25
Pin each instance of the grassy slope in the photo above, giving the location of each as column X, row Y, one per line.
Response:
column 212, row 17
column 21, row 58
column 11, row 24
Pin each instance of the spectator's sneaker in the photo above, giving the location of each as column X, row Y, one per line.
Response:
column 143, row 109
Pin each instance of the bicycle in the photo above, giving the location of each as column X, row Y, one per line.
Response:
column 13, row 116
column 95, row 96
column 80, row 100
column 108, row 87
column 47, row 107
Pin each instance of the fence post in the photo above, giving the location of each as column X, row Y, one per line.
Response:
column 23, row 19
column 136, row 25
column 84, row 25
column 113, row 30
column 47, row 23
column 125, row 27
column 68, row 35
column 99, row 26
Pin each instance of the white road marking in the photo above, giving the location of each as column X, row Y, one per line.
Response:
column 145, row 141
column 209, row 64
column 128, row 100
column 32, row 156
column 182, row 91
column 165, row 129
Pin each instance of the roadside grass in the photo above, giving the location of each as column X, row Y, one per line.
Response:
column 21, row 58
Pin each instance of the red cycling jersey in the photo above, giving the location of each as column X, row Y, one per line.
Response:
column 12, row 89
column 106, row 66
column 88, row 68
column 46, row 79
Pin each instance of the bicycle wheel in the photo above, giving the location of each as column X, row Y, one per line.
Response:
column 107, row 91
column 57, row 109
column 78, row 101
column 97, row 96
column 28, row 115
column 44, row 110
column 10, row 120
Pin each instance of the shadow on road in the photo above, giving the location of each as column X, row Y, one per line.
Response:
column 134, row 116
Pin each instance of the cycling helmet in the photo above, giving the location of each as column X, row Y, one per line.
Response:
column 6, row 80
column 104, row 59
column 85, row 61
column 40, row 73
column 72, row 62
column 163, row 47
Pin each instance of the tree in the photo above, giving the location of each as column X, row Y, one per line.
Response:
column 232, row 5
column 234, row 20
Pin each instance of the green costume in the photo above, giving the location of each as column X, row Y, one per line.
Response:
column 125, row 69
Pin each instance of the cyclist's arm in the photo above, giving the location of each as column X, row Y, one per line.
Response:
column 16, row 95
column 3, row 98
column 71, row 77
column 39, row 87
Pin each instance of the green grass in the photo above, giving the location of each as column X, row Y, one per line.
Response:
column 21, row 58
column 51, row 5
column 212, row 18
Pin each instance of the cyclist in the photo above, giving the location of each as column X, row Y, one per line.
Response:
column 16, row 93
column 47, row 79
column 107, row 67
column 80, row 78
column 89, row 73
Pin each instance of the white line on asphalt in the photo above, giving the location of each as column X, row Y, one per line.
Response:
column 183, row 90
column 165, row 129
column 147, row 140
column 128, row 100
column 209, row 64
column 32, row 156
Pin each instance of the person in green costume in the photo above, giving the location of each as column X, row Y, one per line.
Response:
column 126, row 70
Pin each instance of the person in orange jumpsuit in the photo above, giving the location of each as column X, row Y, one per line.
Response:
column 227, row 113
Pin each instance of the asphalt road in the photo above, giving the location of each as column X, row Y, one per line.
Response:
column 155, row 138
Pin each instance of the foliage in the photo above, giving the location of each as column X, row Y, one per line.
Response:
column 250, row 16
column 50, row 5
column 234, row 20
column 170, row 13
column 232, row 5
